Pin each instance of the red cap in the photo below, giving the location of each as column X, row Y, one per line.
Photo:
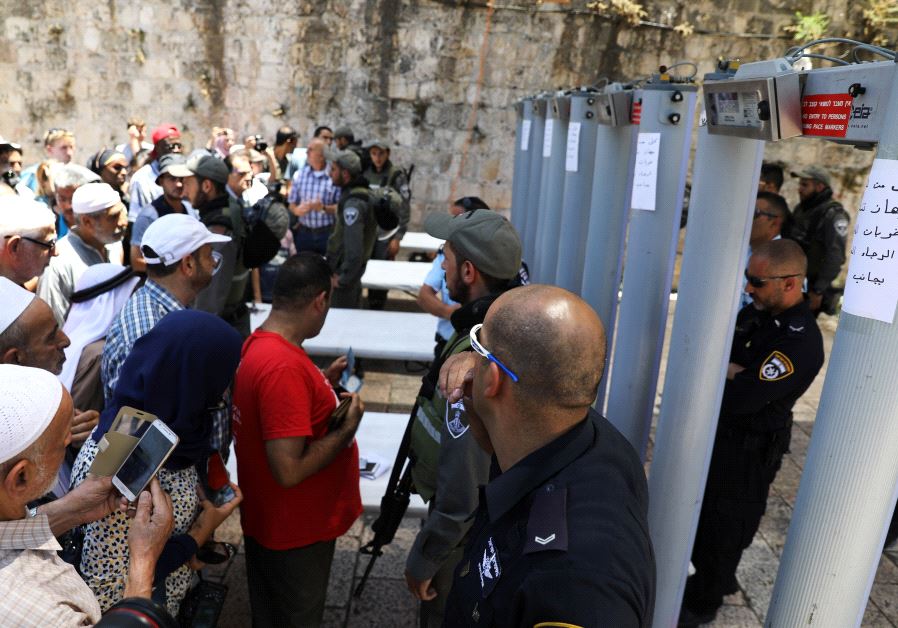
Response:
column 164, row 131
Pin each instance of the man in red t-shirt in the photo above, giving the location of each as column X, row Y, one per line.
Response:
column 299, row 473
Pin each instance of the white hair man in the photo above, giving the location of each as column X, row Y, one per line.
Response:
column 66, row 179
column 27, row 239
column 100, row 224
column 39, row 588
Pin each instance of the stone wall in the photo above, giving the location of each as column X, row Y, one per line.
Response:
column 407, row 70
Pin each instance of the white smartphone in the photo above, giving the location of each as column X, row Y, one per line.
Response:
column 149, row 454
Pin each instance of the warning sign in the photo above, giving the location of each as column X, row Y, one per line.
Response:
column 636, row 112
column 825, row 115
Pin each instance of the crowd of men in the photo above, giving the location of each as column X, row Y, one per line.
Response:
column 537, row 505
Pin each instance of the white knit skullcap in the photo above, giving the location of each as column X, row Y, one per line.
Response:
column 29, row 399
column 23, row 216
column 13, row 301
column 94, row 197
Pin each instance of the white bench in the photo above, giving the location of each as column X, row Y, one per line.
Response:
column 420, row 241
column 370, row 333
column 389, row 275
column 380, row 434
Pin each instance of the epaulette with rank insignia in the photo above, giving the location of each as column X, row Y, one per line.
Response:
column 547, row 524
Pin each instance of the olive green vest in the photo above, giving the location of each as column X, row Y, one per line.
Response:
column 425, row 437
column 335, row 242
column 241, row 272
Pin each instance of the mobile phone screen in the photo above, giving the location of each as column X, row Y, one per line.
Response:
column 137, row 471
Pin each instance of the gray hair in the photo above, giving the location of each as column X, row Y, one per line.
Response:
column 73, row 176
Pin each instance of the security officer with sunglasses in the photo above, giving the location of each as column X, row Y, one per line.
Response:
column 777, row 352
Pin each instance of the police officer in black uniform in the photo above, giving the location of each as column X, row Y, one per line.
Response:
column 777, row 352
column 561, row 535
column 820, row 225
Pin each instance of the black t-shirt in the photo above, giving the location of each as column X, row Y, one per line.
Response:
column 561, row 537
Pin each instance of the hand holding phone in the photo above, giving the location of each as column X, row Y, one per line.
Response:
column 218, row 486
column 351, row 409
column 150, row 453
column 338, row 416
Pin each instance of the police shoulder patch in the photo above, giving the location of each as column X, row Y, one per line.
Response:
column 350, row 215
column 841, row 226
column 777, row 366
column 454, row 423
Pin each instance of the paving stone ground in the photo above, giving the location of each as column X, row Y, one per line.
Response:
column 391, row 386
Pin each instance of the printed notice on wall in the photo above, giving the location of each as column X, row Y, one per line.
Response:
column 525, row 135
column 547, row 137
column 645, row 172
column 871, row 287
column 572, row 156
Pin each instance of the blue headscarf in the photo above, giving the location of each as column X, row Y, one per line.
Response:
column 178, row 371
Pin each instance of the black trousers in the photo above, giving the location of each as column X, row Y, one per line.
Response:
column 288, row 587
column 743, row 465
column 378, row 298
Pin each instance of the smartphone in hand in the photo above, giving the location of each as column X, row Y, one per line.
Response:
column 148, row 456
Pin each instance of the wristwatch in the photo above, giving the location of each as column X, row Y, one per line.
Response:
column 30, row 513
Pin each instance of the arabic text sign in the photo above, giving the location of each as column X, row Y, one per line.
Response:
column 645, row 173
column 871, row 287
column 572, row 155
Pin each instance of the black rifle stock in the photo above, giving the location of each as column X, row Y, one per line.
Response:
column 393, row 504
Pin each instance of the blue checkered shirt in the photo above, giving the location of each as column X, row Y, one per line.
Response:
column 309, row 184
column 144, row 310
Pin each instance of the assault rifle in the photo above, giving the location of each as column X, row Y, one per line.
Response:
column 393, row 504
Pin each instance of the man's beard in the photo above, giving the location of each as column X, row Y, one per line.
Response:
column 459, row 291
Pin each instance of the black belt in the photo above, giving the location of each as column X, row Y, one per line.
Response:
column 313, row 230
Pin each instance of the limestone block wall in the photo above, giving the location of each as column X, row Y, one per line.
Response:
column 407, row 70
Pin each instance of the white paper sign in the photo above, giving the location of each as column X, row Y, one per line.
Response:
column 573, row 147
column 525, row 135
column 871, row 287
column 645, row 173
column 547, row 137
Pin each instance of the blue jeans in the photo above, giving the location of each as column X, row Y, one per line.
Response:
column 306, row 240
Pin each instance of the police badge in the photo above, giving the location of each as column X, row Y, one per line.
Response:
column 454, row 422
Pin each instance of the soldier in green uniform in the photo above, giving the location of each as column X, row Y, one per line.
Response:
column 205, row 186
column 352, row 242
column 483, row 255
column 381, row 173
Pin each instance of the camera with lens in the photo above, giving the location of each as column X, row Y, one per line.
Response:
column 10, row 178
column 261, row 144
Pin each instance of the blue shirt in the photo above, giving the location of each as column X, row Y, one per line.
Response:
column 436, row 279
column 141, row 313
column 309, row 184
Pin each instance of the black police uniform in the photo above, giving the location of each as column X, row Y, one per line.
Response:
column 782, row 355
column 820, row 226
column 561, row 538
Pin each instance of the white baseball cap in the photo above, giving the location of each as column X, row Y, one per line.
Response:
column 29, row 399
column 14, row 299
column 174, row 237
column 94, row 197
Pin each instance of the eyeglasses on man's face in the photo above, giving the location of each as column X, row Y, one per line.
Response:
column 47, row 244
column 480, row 349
